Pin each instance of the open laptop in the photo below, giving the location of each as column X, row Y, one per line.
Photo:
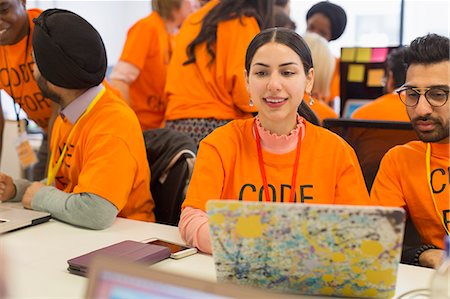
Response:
column 349, row 251
column 13, row 216
column 114, row 278
column 351, row 105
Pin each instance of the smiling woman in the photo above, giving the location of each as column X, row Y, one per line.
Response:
column 278, row 156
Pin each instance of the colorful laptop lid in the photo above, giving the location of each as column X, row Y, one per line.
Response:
column 350, row 251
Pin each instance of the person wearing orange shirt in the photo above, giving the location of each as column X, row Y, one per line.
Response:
column 205, row 82
column 98, row 167
column 388, row 107
column 279, row 155
column 329, row 21
column 140, row 74
column 324, row 64
column 16, row 76
column 415, row 175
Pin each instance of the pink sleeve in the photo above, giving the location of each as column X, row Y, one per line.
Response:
column 194, row 229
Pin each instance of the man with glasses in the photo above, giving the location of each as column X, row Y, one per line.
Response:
column 415, row 175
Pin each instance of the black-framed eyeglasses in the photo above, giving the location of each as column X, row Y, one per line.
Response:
column 435, row 96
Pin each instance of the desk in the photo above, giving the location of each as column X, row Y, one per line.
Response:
column 37, row 258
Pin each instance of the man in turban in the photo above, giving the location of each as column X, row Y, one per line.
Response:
column 98, row 167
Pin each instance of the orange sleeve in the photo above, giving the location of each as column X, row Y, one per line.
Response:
column 386, row 189
column 139, row 44
column 207, row 178
column 351, row 188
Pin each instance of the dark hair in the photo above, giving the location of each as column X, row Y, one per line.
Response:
column 281, row 19
column 225, row 10
column 281, row 3
column 294, row 41
column 428, row 49
column 395, row 63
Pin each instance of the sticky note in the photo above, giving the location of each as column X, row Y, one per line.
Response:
column 374, row 77
column 355, row 73
column 363, row 54
column 379, row 54
column 348, row 54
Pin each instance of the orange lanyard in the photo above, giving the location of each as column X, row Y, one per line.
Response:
column 53, row 170
column 428, row 168
column 263, row 171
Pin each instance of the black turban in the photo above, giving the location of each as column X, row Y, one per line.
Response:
column 68, row 51
column 335, row 13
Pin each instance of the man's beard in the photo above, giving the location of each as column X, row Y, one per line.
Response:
column 46, row 92
column 437, row 134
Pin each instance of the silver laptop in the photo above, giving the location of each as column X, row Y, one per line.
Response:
column 13, row 216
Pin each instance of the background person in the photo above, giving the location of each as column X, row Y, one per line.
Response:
column 140, row 74
column 278, row 150
column 388, row 106
column 329, row 21
column 205, row 82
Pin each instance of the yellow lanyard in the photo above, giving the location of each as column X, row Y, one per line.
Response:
column 428, row 166
column 53, row 170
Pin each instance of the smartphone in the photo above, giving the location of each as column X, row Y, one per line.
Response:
column 177, row 251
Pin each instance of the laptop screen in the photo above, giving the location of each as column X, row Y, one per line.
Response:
column 351, row 105
column 117, row 285
column 114, row 278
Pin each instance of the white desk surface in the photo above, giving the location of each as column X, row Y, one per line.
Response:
column 37, row 258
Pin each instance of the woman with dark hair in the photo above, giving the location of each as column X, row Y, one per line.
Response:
column 205, row 84
column 277, row 156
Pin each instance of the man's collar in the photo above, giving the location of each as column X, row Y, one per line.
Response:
column 75, row 109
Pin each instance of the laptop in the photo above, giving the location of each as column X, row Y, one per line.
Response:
column 348, row 251
column 13, row 216
column 114, row 278
column 351, row 105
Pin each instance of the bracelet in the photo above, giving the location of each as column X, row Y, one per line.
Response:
column 421, row 250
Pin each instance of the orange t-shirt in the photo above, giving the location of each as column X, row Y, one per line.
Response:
column 16, row 77
column 335, row 87
column 200, row 90
column 227, row 168
column 106, row 156
column 387, row 107
column 148, row 47
column 402, row 180
column 322, row 110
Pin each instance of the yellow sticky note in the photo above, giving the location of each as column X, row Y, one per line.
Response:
column 355, row 73
column 348, row 54
column 374, row 77
column 363, row 54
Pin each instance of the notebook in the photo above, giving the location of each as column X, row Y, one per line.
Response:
column 349, row 251
column 13, row 216
column 129, row 250
column 114, row 278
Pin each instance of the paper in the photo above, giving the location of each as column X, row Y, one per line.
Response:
column 348, row 54
column 374, row 77
column 355, row 73
column 379, row 54
column 363, row 54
